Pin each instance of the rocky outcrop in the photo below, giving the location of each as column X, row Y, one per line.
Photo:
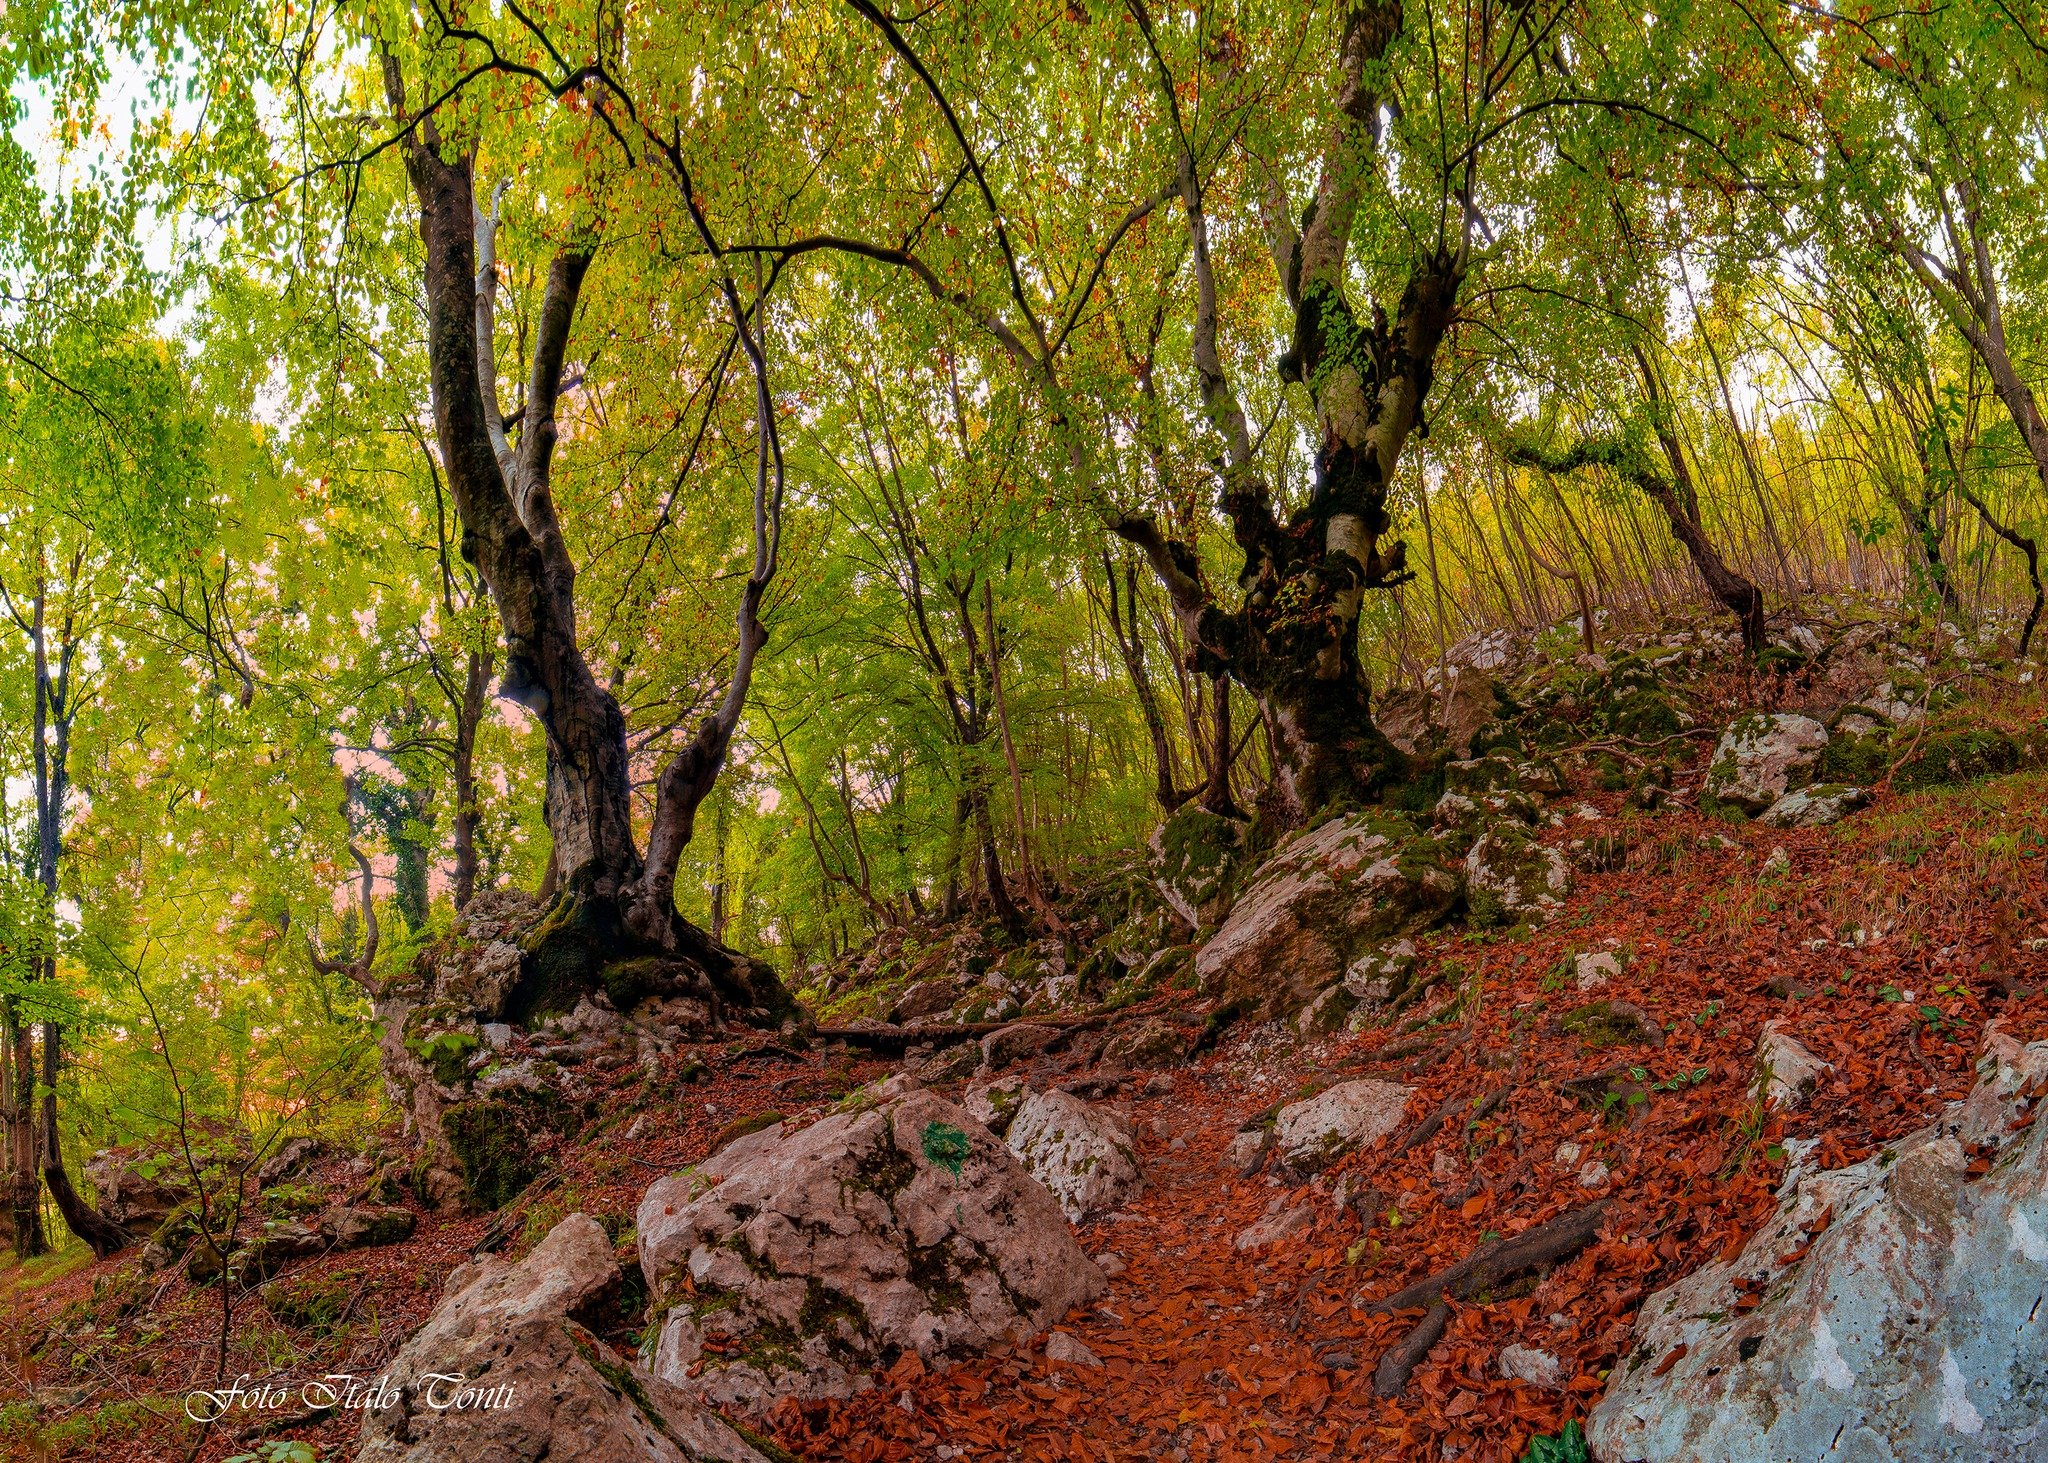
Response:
column 1814, row 807
column 1315, row 1133
column 1786, row 1069
column 1149, row 1042
column 1326, row 895
column 1196, row 857
column 1890, row 1310
column 503, row 1371
column 1082, row 1153
column 493, row 1044
column 1761, row 757
column 902, row 1228
column 1511, row 876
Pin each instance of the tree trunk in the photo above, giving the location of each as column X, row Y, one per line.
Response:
column 102, row 1233
column 1292, row 643
column 609, row 902
column 24, row 1195
column 1007, row 913
column 1216, row 796
column 1131, row 648
column 468, row 716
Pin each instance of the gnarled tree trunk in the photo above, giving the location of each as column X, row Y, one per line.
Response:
column 610, row 902
column 1292, row 641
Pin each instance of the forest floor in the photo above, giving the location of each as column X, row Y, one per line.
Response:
column 1884, row 943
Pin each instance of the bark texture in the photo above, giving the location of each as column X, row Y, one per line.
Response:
column 610, row 901
column 1292, row 639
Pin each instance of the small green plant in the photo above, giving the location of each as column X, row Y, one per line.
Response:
column 280, row 1450
column 1567, row 1446
column 1674, row 1082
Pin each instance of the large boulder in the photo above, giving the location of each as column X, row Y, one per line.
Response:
column 902, row 1228
column 1511, row 875
column 1084, row 1154
column 1889, row 1311
column 1814, row 807
column 1763, row 756
column 501, row 1372
column 1316, row 1132
column 1196, row 857
column 1326, row 895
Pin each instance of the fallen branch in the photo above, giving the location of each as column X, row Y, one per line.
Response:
column 1545, row 1244
column 1391, row 1375
column 1423, row 1131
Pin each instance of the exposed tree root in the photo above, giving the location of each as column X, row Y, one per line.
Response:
column 1391, row 1375
column 1545, row 1244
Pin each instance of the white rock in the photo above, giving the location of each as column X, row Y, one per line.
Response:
column 1906, row 1329
column 1312, row 1135
column 1567, row 1155
column 1520, row 876
column 1323, row 895
column 994, row 1104
column 1593, row 1174
column 1248, row 1149
column 1527, row 1364
column 902, row 1227
column 1061, row 1347
column 1283, row 1224
column 1762, row 756
column 1785, row 1069
column 538, row 1387
column 1081, row 1152
column 1814, row 807
column 1594, row 970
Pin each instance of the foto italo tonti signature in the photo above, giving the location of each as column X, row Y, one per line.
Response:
column 345, row 1392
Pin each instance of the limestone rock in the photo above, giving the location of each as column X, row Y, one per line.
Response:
column 1082, row 1153
column 1469, row 705
column 1594, row 969
column 137, row 1188
column 1061, row 1347
column 1315, row 1133
column 1196, row 857
column 1279, row 1225
column 902, row 1227
column 1017, row 1042
column 1326, row 895
column 1763, row 756
column 1511, row 876
column 1528, row 1364
column 1908, row 1328
column 994, row 1104
column 1248, row 1150
column 1814, row 807
column 924, row 999
column 533, row 1383
column 1151, row 1042
column 1785, row 1069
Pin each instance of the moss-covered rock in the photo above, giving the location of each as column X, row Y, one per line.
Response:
column 1511, row 876
column 1326, row 895
column 491, row 1144
column 1948, row 756
column 1196, row 857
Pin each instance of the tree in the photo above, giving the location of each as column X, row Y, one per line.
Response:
column 609, row 897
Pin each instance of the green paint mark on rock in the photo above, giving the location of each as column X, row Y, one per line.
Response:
column 946, row 1146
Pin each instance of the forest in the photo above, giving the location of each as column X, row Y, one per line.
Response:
column 784, row 729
